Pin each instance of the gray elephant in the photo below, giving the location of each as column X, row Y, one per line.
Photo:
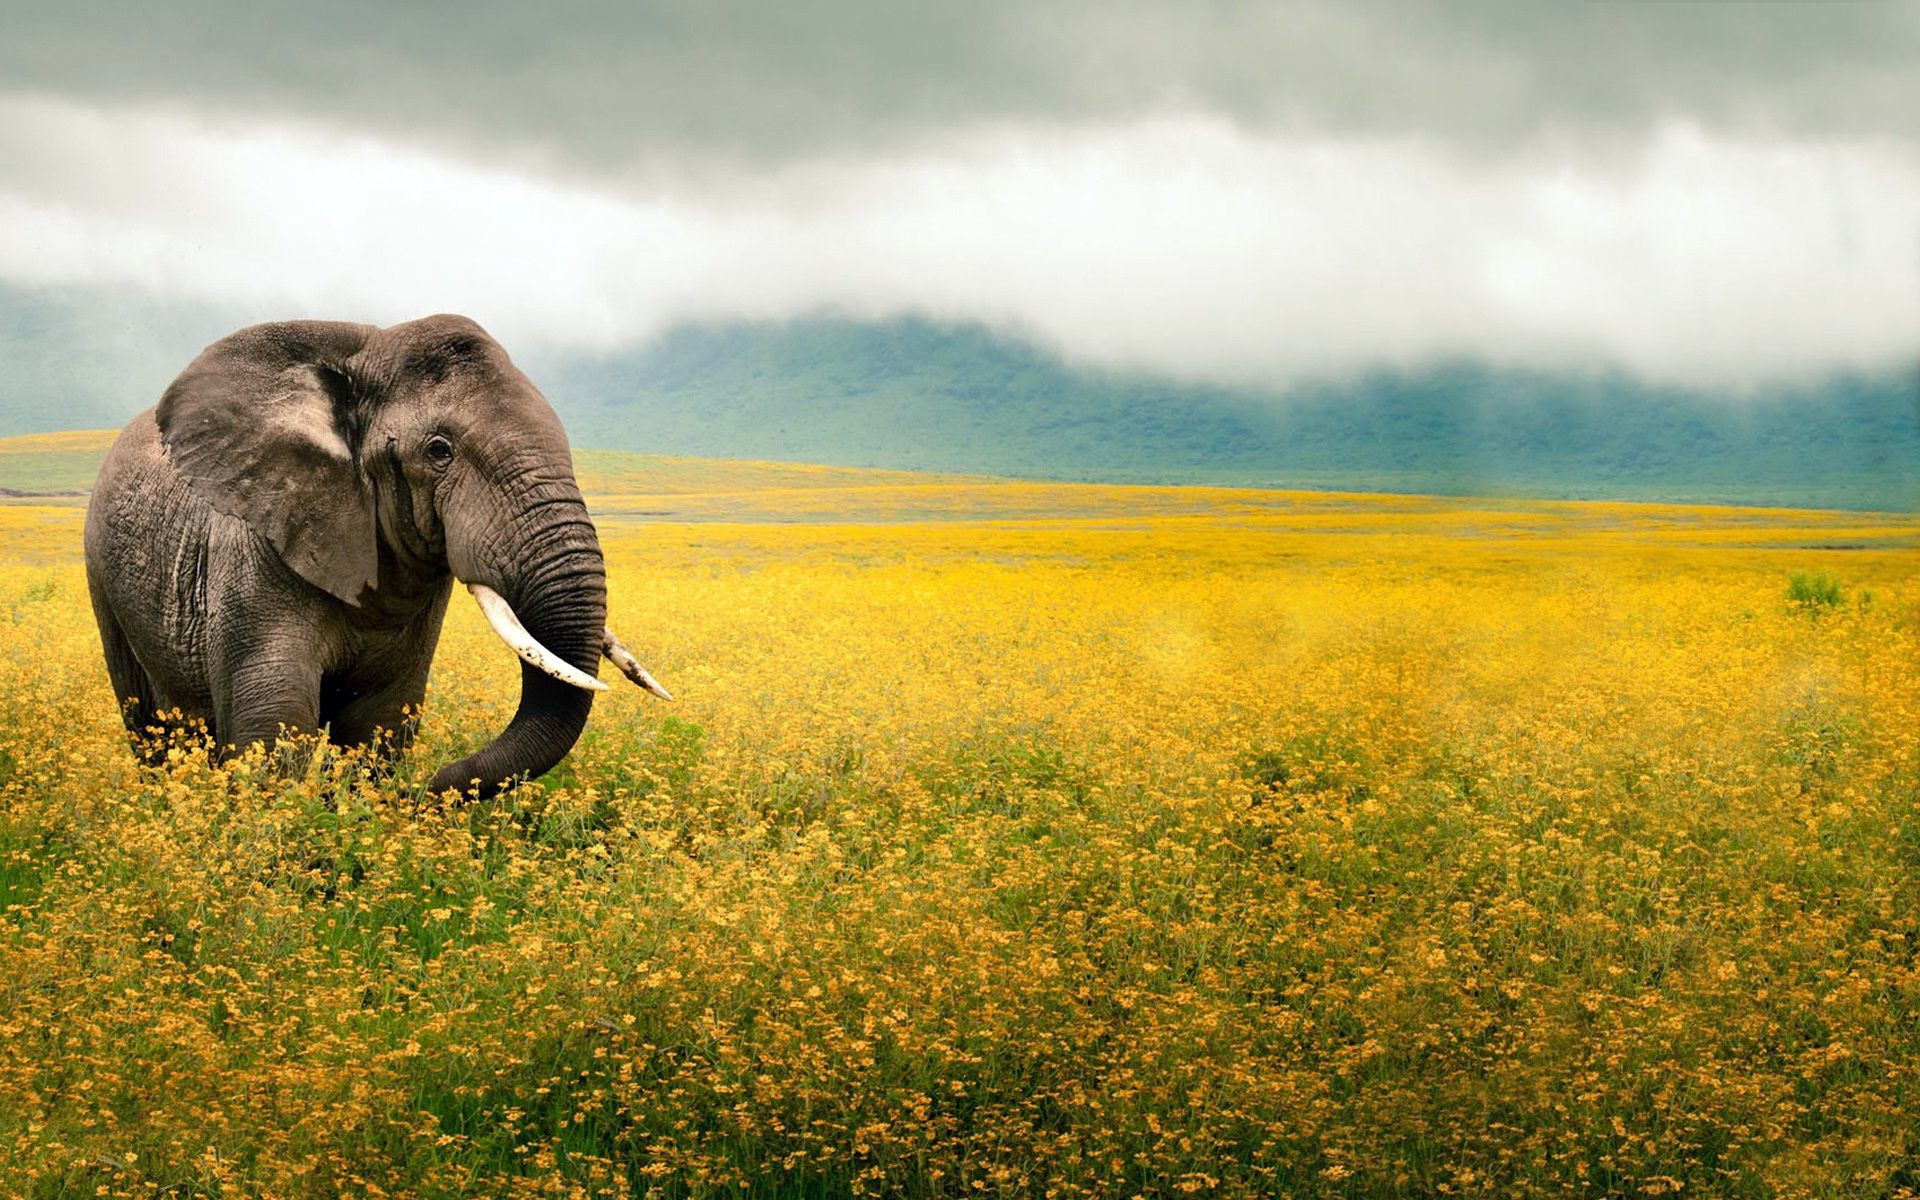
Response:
column 273, row 545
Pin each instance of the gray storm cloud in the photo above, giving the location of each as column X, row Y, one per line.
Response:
column 627, row 89
column 1712, row 192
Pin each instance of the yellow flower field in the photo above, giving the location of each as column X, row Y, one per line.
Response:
column 1031, row 840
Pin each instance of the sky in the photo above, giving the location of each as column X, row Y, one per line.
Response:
column 1705, row 192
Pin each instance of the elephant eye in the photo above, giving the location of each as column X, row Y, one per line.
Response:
column 439, row 450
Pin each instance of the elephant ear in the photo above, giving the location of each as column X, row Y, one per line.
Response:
column 263, row 426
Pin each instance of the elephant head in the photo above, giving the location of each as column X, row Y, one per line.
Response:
column 376, row 463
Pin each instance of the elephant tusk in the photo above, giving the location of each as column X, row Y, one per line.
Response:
column 623, row 658
column 499, row 614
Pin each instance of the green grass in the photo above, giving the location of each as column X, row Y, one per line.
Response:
column 56, row 464
column 1815, row 590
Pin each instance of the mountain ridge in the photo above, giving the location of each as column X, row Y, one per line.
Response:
column 918, row 394
column 914, row 393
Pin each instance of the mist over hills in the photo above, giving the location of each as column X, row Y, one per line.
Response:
column 73, row 358
column 922, row 394
column 913, row 393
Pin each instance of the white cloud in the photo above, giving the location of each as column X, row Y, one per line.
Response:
column 1179, row 244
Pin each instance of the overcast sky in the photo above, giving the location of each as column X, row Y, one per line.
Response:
column 1710, row 192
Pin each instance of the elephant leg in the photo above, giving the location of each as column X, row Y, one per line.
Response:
column 266, row 696
column 267, row 641
column 388, row 717
column 132, row 689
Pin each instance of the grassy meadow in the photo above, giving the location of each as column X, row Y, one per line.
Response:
column 1018, row 840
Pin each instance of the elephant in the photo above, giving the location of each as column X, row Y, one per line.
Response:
column 271, row 547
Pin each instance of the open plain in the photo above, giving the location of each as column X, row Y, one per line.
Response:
column 1017, row 839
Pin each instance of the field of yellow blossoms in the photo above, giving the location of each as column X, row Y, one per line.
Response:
column 1020, row 840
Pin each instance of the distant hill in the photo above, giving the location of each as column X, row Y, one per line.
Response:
column 919, row 394
column 912, row 393
column 89, row 359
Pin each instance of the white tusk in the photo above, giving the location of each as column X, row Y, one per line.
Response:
column 500, row 615
column 629, row 666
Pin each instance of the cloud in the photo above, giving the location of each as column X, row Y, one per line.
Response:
column 672, row 88
column 1181, row 243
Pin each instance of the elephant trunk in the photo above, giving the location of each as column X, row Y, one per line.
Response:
column 558, row 592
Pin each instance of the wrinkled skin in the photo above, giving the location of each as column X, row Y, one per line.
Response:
column 273, row 545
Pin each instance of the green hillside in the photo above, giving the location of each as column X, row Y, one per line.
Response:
column 63, row 466
column 52, row 464
column 75, row 358
column 916, row 394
